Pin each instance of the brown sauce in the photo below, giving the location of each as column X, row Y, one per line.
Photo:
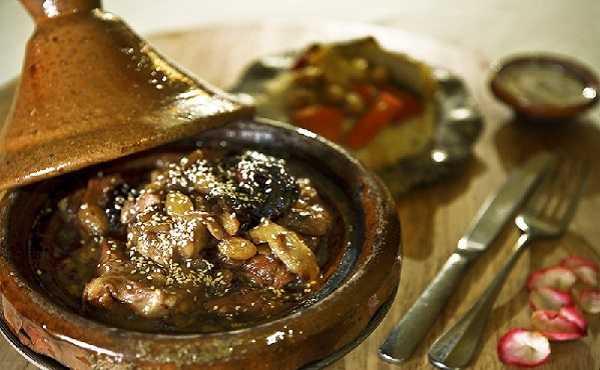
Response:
column 213, row 240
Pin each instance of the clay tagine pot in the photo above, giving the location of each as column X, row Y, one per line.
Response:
column 91, row 92
column 365, row 281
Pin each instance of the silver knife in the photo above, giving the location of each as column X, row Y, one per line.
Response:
column 485, row 227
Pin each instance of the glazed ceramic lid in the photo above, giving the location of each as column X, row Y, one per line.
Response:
column 91, row 90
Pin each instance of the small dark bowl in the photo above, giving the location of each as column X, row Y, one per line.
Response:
column 546, row 112
column 365, row 279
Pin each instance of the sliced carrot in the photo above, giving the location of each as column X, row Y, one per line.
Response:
column 411, row 105
column 366, row 91
column 381, row 113
column 322, row 119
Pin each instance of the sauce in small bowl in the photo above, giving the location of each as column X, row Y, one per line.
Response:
column 545, row 87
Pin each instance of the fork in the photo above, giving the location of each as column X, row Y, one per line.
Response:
column 545, row 216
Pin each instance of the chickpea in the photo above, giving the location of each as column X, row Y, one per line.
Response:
column 178, row 204
column 334, row 93
column 354, row 104
column 309, row 76
column 237, row 248
column 380, row 75
column 359, row 68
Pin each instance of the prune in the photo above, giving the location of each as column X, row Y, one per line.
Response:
column 255, row 186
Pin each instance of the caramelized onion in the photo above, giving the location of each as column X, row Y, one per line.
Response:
column 289, row 248
column 237, row 248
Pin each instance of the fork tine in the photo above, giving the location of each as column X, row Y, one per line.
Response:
column 574, row 194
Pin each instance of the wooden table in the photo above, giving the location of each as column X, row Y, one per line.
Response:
column 433, row 218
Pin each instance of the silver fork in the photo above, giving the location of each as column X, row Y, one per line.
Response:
column 546, row 215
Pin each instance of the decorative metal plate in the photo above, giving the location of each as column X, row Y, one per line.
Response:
column 458, row 124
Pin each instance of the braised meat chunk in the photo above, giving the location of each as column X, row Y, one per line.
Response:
column 207, row 241
column 267, row 271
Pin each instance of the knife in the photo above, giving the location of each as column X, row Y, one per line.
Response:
column 485, row 227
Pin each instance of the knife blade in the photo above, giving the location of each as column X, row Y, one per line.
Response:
column 493, row 215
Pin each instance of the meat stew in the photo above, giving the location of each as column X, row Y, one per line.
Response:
column 216, row 239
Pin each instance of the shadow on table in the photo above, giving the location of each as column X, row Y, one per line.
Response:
column 517, row 140
column 418, row 207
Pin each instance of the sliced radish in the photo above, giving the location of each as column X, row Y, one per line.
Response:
column 522, row 347
column 585, row 269
column 574, row 261
column 556, row 277
column 549, row 299
column 555, row 326
column 588, row 299
column 587, row 275
column 573, row 314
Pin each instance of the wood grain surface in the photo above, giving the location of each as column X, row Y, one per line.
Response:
column 433, row 218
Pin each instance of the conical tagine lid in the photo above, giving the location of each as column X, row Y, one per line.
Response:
column 91, row 90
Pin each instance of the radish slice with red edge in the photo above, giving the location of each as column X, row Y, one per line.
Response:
column 549, row 299
column 524, row 348
column 574, row 315
column 585, row 269
column 574, row 261
column 556, row 277
column 588, row 299
column 555, row 326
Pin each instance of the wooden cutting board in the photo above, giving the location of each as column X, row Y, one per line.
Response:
column 433, row 218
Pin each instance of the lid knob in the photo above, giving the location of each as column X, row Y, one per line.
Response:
column 43, row 9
